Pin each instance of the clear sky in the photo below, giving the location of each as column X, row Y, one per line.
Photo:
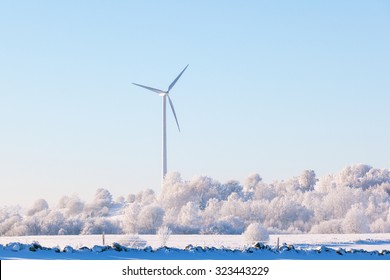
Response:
column 273, row 87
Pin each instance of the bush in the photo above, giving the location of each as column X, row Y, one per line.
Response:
column 256, row 233
column 163, row 234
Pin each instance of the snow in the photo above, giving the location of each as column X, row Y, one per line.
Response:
column 298, row 246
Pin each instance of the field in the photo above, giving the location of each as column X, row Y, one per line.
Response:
column 304, row 246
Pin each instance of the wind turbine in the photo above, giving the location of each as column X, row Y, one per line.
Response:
column 164, row 95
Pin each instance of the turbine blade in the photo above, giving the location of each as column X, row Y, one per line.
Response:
column 177, row 78
column 173, row 110
column 150, row 88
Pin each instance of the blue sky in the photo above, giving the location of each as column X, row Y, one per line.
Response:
column 273, row 87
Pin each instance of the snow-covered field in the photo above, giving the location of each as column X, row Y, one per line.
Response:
column 305, row 246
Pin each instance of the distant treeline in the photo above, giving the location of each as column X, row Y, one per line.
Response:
column 355, row 200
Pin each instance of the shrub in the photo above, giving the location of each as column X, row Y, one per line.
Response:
column 256, row 233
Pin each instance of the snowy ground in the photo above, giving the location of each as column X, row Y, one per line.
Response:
column 306, row 246
column 369, row 242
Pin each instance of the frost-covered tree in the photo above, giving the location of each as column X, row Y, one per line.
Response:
column 307, row 180
column 101, row 204
column 101, row 225
column 72, row 205
column 175, row 193
column 351, row 176
column 189, row 219
column 72, row 226
column 202, row 189
column 39, row 205
column 150, row 219
column 225, row 225
column 380, row 226
column 334, row 226
column 212, row 210
column 8, row 219
column 356, row 221
column 251, row 182
column 130, row 221
column 52, row 223
column 146, row 197
column 103, row 198
column 257, row 211
column 339, row 200
column 283, row 213
column 362, row 176
column 229, row 188
column 233, row 206
column 263, row 191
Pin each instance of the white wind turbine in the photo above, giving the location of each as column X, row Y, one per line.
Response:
column 164, row 95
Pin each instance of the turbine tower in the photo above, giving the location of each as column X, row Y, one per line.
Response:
column 164, row 95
